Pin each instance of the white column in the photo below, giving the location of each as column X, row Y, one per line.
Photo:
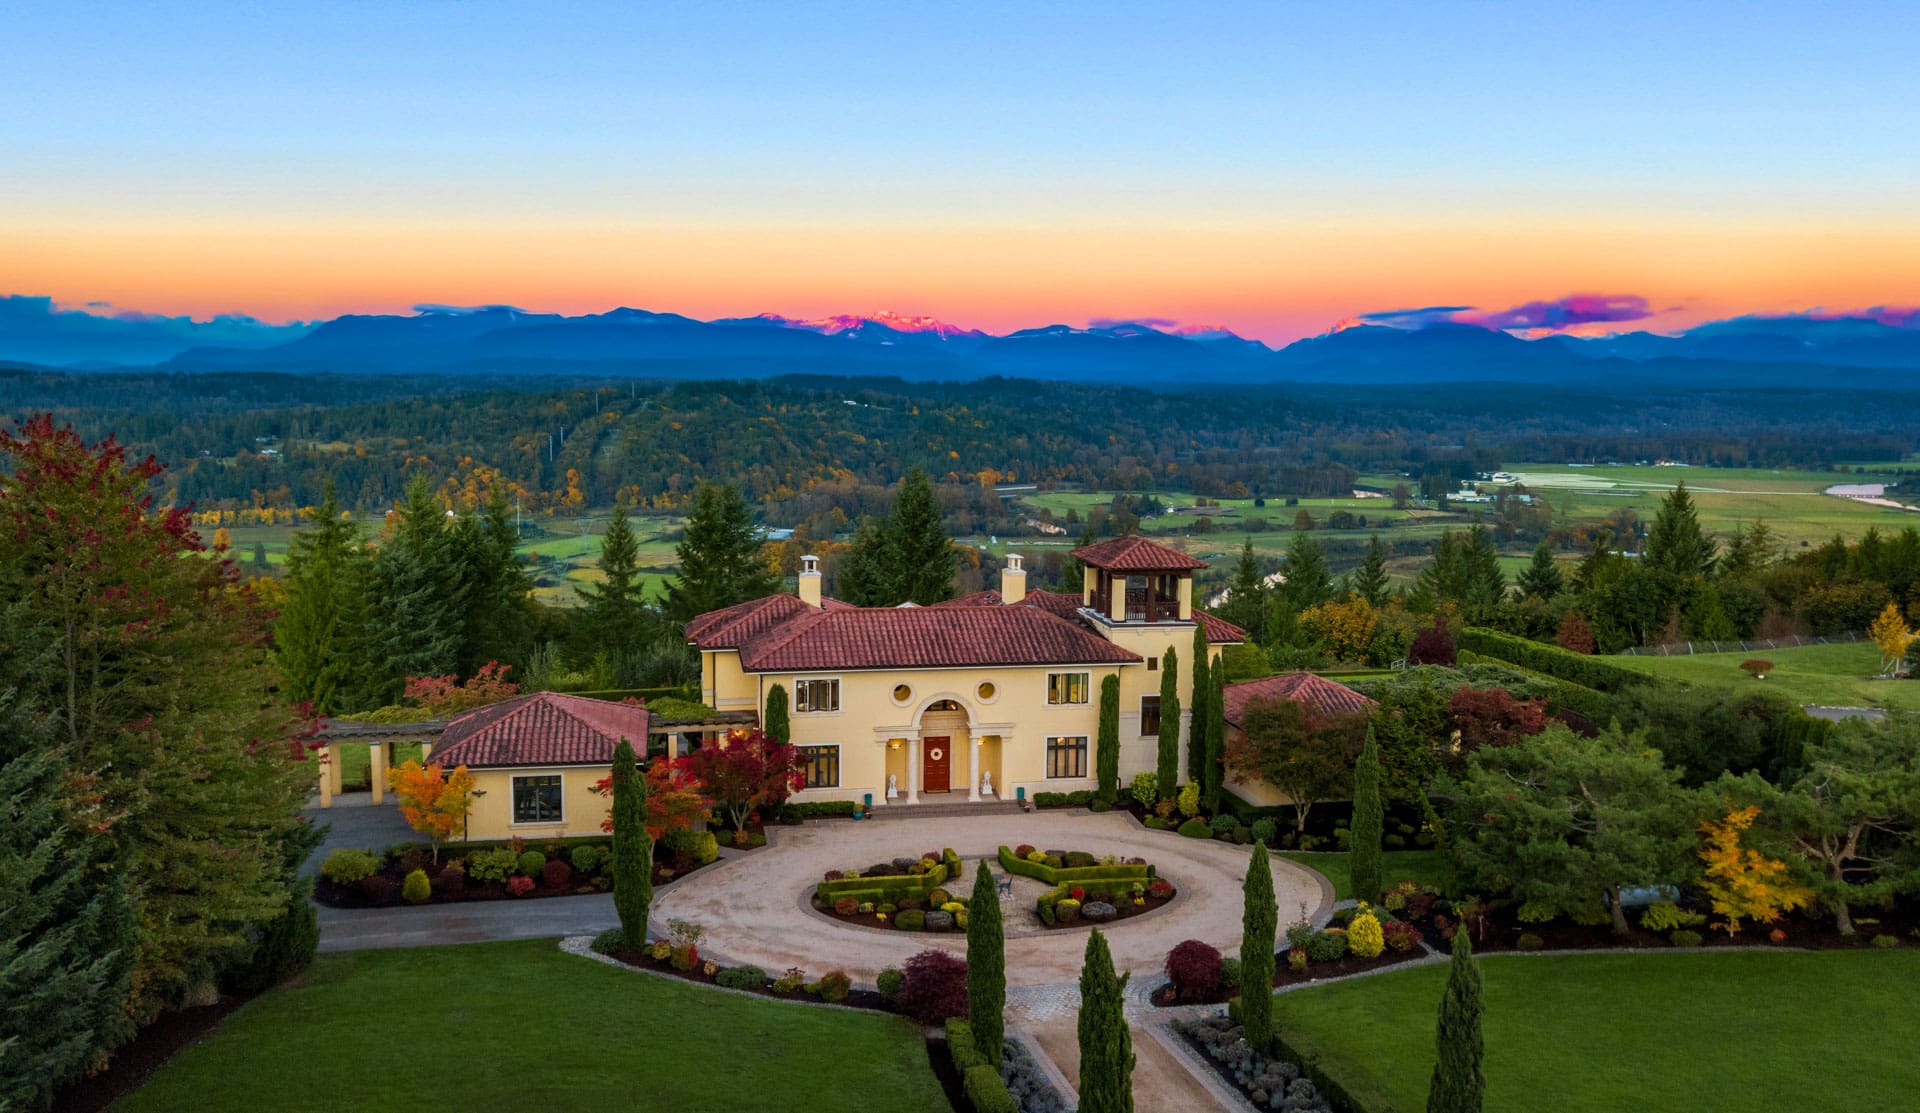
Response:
column 913, row 768
column 973, row 769
column 377, row 770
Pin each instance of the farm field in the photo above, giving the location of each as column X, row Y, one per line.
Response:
column 331, row 1041
column 1831, row 675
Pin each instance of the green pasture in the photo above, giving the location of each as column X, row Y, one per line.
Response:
column 1839, row 675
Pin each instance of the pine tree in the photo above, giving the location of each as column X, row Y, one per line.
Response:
column 420, row 623
column 919, row 555
column 1214, row 784
column 632, row 847
column 1676, row 545
column 1107, row 747
column 1259, row 920
column 1201, row 691
column 1106, row 1045
column 1458, row 1085
column 860, row 573
column 1246, row 605
column 986, row 967
column 496, row 597
column 1364, row 861
column 614, row 614
column 1370, row 579
column 1542, row 578
column 1167, row 768
column 310, row 636
column 1309, row 583
column 1752, row 550
column 779, row 727
column 720, row 556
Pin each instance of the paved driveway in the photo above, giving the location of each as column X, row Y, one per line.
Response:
column 755, row 907
column 359, row 929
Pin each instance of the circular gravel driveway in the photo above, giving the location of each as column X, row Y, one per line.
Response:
column 755, row 906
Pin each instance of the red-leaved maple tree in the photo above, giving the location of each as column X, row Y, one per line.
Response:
column 748, row 770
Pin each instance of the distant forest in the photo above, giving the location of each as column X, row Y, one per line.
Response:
column 802, row 447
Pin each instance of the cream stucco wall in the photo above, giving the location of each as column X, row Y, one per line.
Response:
column 582, row 809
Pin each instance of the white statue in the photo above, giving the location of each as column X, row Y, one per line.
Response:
column 986, row 782
column 893, row 786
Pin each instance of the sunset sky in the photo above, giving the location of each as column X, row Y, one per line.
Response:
column 1273, row 168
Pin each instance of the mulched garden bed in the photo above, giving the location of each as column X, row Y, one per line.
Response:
column 1496, row 930
column 1123, row 907
column 866, row 999
column 134, row 1062
column 1285, row 976
column 384, row 888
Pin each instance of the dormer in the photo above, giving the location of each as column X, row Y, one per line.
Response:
column 1134, row 580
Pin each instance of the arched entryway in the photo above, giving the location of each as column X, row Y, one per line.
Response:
column 945, row 736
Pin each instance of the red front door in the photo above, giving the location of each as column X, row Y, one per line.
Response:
column 936, row 763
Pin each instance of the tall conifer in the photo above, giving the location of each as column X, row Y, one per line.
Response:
column 1197, row 716
column 1106, row 1045
column 1107, row 746
column 1458, row 1084
column 1167, row 767
column 986, row 967
column 1368, row 821
column 1259, row 920
column 920, row 557
column 632, row 847
column 720, row 556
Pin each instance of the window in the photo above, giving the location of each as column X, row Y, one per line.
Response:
column 1067, row 687
column 1067, row 757
column 536, row 799
column 817, row 695
column 1149, row 714
column 986, row 691
column 822, row 766
column 902, row 693
column 1153, row 664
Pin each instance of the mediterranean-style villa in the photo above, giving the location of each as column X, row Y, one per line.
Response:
column 991, row 696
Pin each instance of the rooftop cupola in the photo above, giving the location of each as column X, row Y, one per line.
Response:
column 810, row 580
column 1132, row 579
column 1013, row 579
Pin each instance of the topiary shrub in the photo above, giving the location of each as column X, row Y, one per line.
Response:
column 1230, row 974
column 1327, row 946
column 1067, row 911
column 1195, row 829
column 938, row 897
column 1223, row 824
column 961, row 1046
column 1364, row 937
column 1685, row 938
column 345, row 866
column 986, row 1091
column 1159, row 889
column 910, row 919
column 416, row 889
column 1886, row 942
column 556, row 874
column 610, row 942
column 846, row 906
column 1194, row 969
column 833, row 986
column 1155, row 823
column 935, row 987
column 889, row 983
column 1263, row 830
column 741, row 977
column 586, row 859
column 530, row 863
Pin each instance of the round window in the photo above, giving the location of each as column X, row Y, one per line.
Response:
column 902, row 693
column 986, row 689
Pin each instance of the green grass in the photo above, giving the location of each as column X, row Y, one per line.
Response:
column 1426, row 867
column 522, row 1026
column 1728, row 1032
column 354, row 759
column 1834, row 675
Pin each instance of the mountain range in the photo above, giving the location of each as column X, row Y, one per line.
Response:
column 1770, row 351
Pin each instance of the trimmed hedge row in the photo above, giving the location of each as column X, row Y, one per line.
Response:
column 1566, row 695
column 1058, row 875
column 819, row 809
column 982, row 1083
column 1588, row 672
column 891, row 888
column 1079, row 798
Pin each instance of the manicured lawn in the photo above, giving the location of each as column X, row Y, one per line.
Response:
column 522, row 1026
column 1732, row 1032
column 1424, row 866
column 1834, row 675
column 354, row 759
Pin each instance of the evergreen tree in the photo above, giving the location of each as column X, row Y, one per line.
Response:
column 1246, row 605
column 420, row 609
column 860, row 574
column 1367, row 824
column 1458, row 1085
column 310, row 637
column 1214, row 784
column 1107, row 748
column 919, row 555
column 779, row 727
column 632, row 847
column 1370, row 579
column 1309, row 583
column 1201, row 691
column 720, row 556
column 986, row 967
column 1751, row 551
column 1259, row 920
column 614, row 614
column 1542, row 577
column 1676, row 545
column 496, row 595
column 1167, row 768
column 1106, row 1045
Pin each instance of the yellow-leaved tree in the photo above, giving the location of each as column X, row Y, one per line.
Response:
column 432, row 799
column 1891, row 633
column 1741, row 882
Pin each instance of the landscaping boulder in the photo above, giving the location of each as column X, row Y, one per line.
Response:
column 1099, row 911
column 939, row 921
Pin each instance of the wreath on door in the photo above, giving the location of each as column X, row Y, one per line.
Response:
column 935, row 754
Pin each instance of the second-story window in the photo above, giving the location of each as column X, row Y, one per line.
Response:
column 817, row 695
column 1067, row 687
column 1149, row 714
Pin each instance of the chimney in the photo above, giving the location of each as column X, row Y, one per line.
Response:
column 1013, row 580
column 810, row 580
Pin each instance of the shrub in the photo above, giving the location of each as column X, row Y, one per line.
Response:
column 1194, row 969
column 1664, row 915
column 287, row 943
column 846, row 906
column 1297, row 960
column 1146, row 789
column 911, row 919
column 1189, row 799
column 1886, row 942
column 1400, row 935
column 1155, row 823
column 586, row 859
column 938, row 897
column 417, row 889
column 683, row 957
column 889, row 983
column 1756, row 667
column 345, row 867
column 519, row 886
column 986, row 1092
column 1078, row 859
column 491, row 865
column 1159, row 889
column 1327, row 946
column 741, row 977
column 530, row 863
column 1223, row 824
column 556, row 874
column 1528, row 941
column 833, row 986
column 1196, row 829
column 793, row 979
column 935, row 987
column 377, row 889
column 1230, row 973
column 1066, row 911
column 962, row 1048
column 1023, row 850
column 1364, row 937
column 1685, row 939
column 1263, row 830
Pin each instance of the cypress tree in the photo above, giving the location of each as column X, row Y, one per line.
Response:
column 1106, row 1046
column 1215, row 783
column 720, row 559
column 779, row 727
column 1197, row 717
column 1370, row 579
column 1364, row 861
column 632, row 847
column 920, row 557
column 1259, row 920
column 1107, row 750
column 1458, row 1085
column 986, row 966
column 1167, row 769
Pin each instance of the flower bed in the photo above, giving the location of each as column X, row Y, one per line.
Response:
column 1269, row 1082
column 406, row 873
column 682, row 960
column 906, row 894
column 1112, row 888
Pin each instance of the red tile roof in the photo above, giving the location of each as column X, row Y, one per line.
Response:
column 546, row 728
column 1219, row 630
column 731, row 627
column 928, row 637
column 1135, row 554
column 1054, row 602
column 987, row 598
column 1325, row 696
